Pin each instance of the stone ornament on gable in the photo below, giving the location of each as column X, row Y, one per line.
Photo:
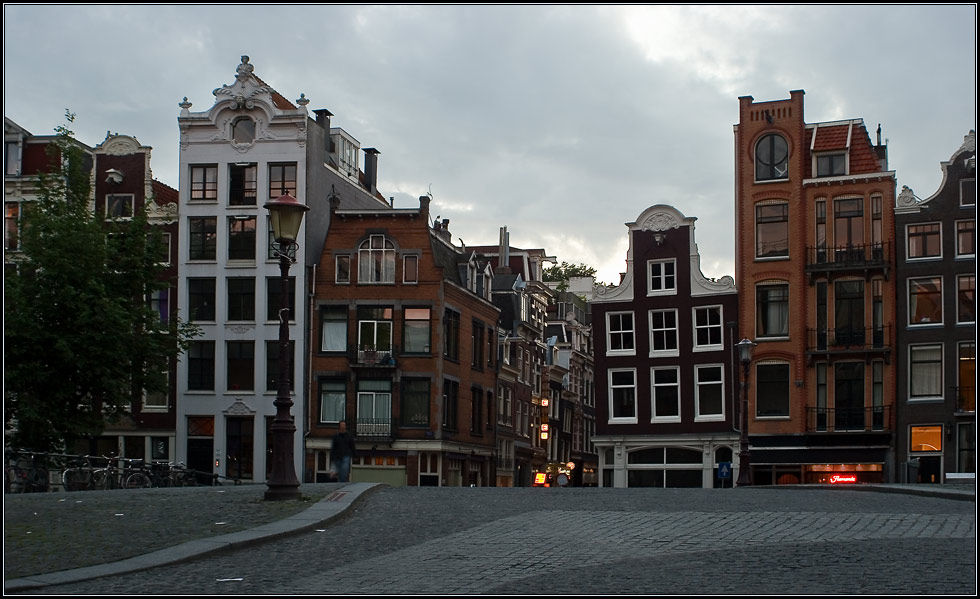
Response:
column 157, row 214
column 120, row 145
column 906, row 197
column 239, row 409
column 660, row 221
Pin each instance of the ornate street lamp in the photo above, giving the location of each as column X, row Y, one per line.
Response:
column 744, row 348
column 287, row 215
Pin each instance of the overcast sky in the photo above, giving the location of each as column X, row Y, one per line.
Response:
column 560, row 122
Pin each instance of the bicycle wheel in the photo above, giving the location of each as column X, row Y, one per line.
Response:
column 137, row 480
column 16, row 480
column 40, row 480
column 103, row 479
column 76, row 479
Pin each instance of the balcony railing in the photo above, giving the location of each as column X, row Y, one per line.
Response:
column 365, row 355
column 373, row 428
column 966, row 399
column 831, row 420
column 852, row 257
column 849, row 339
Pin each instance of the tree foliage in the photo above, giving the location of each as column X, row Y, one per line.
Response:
column 82, row 343
column 565, row 271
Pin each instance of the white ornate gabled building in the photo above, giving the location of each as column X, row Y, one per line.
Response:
column 250, row 146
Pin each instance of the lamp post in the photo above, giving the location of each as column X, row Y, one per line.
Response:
column 744, row 348
column 287, row 215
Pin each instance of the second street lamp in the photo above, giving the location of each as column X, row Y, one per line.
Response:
column 744, row 348
column 286, row 213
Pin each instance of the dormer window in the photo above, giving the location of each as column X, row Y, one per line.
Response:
column 832, row 165
column 243, row 130
column 771, row 158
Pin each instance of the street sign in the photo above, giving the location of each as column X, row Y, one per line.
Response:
column 724, row 469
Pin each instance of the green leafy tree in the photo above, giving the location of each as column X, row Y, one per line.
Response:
column 82, row 343
column 565, row 271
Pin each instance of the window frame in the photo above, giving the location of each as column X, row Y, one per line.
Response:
column 366, row 275
column 246, row 191
column 338, row 259
column 203, row 380
column 128, row 200
column 821, row 160
column 758, row 380
column 663, row 277
column 246, row 308
column 969, row 297
column 205, row 188
column 629, row 334
column 925, row 236
column 912, row 305
column 338, row 388
column 239, row 248
column 206, row 239
column 759, row 333
column 771, row 220
column 408, row 259
column 916, row 375
column 272, row 365
column 282, row 176
column 961, row 233
column 613, row 419
column 247, row 360
column 665, row 332
column 273, row 291
column 206, row 293
column 655, row 385
column 345, row 321
column 720, row 309
column 407, row 397
column 771, row 172
column 698, row 383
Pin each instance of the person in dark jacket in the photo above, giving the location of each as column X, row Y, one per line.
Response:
column 341, row 452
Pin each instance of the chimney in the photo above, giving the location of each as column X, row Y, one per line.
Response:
column 424, row 206
column 503, row 252
column 442, row 230
column 371, row 169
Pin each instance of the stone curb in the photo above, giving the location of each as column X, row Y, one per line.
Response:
column 332, row 507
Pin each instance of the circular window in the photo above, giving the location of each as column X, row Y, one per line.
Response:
column 771, row 158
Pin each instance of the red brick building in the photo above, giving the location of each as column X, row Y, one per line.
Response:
column 404, row 349
column 815, row 259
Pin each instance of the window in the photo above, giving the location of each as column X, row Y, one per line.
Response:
column 849, row 228
column 662, row 277
column 924, row 241
column 476, row 411
column 966, row 374
column 925, row 372
column 622, row 396
column 342, row 269
column 374, row 408
column 708, row 333
column 771, row 158
column 451, row 403
column 273, row 294
column 663, row 332
column 451, row 334
column 849, row 313
column 968, row 192
column 831, row 165
column 665, row 394
column 333, row 328
column 241, row 238
column 410, row 269
column 772, row 310
column 204, row 183
column 926, row 438
column 333, row 397
column 476, row 345
column 966, row 447
column 709, row 393
column 119, row 205
column 374, row 333
column 772, row 230
column 505, row 411
column 282, row 180
column 160, row 304
column 11, row 230
column 241, row 365
column 242, row 185
column 966, row 288
column 926, row 301
column 157, row 401
column 619, row 338
column 376, row 260
column 820, row 217
column 203, row 238
column 415, row 402
column 200, row 299
column 772, row 390
column 416, row 334
column 272, row 365
column 241, row 298
column 966, row 241
column 200, row 366
column 11, row 158
column 243, row 130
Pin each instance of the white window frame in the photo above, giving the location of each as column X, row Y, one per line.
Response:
column 132, row 205
column 698, row 416
column 958, row 278
column 664, row 290
column 908, row 247
column 631, row 351
column 938, row 396
column 622, row 419
column 956, row 252
column 653, row 393
column 657, row 353
column 339, row 397
column 908, row 302
column 365, row 257
column 695, row 328
column 163, row 406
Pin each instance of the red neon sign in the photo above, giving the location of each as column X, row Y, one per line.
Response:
column 843, row 478
column 540, row 478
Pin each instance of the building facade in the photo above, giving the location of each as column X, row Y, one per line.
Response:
column 936, row 280
column 664, row 362
column 815, row 261
column 250, row 146
column 405, row 352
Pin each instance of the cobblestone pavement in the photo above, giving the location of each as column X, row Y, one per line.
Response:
column 599, row 541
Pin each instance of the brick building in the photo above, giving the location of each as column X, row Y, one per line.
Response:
column 936, row 281
column 815, row 259
column 404, row 350
column 664, row 362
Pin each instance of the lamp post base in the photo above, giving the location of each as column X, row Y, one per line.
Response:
column 282, row 492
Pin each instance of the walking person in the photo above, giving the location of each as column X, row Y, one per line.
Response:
column 341, row 451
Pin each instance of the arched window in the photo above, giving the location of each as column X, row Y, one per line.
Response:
column 771, row 158
column 243, row 130
column 376, row 260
